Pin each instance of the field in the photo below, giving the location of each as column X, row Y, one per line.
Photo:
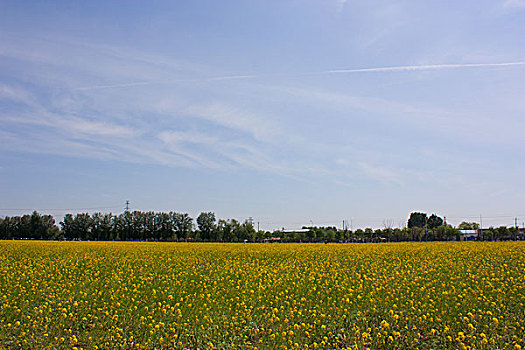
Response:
column 66, row 295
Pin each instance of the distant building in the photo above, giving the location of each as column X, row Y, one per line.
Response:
column 301, row 230
column 272, row 240
column 468, row 235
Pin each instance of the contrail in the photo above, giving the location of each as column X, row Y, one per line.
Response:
column 424, row 67
column 155, row 82
column 335, row 71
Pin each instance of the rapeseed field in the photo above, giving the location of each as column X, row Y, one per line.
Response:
column 92, row 295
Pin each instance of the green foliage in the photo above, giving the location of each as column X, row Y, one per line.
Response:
column 172, row 226
column 417, row 220
column 206, row 223
column 34, row 226
column 434, row 221
column 468, row 225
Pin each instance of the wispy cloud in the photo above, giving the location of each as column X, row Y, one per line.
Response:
column 341, row 5
column 74, row 126
column 160, row 82
column 222, row 153
column 381, row 173
column 236, row 123
column 241, row 120
column 16, row 94
column 514, row 3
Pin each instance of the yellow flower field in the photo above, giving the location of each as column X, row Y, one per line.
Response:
column 89, row 295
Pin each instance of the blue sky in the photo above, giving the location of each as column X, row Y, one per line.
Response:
column 291, row 112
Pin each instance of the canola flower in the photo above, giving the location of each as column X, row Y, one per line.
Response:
column 123, row 295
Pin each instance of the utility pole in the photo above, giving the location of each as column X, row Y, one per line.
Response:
column 517, row 232
column 481, row 226
column 426, row 235
column 127, row 205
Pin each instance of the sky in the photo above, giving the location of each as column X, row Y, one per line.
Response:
column 291, row 112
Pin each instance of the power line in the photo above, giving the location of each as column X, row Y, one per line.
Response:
column 486, row 217
column 90, row 208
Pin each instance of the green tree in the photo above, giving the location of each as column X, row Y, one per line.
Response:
column 236, row 230
column 82, row 226
column 206, row 223
column 502, row 232
column 67, row 226
column 224, row 231
column 434, row 221
column 247, row 231
column 123, row 226
column 182, row 224
column 468, row 225
column 417, row 220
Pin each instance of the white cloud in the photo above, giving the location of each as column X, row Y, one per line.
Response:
column 341, row 5
column 381, row 173
column 97, row 128
column 73, row 126
column 192, row 137
column 514, row 3
column 242, row 120
column 17, row 94
column 222, row 153
column 169, row 123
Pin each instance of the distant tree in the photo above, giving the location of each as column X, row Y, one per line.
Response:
column 260, row 235
column 54, row 233
column 339, row 235
column 434, row 221
column 25, row 227
column 37, row 230
column 162, row 226
column 123, row 226
column 206, row 223
column 489, row 234
column 183, row 224
column 247, row 231
column 359, row 233
column 236, row 230
column 10, row 227
column 399, row 234
column 67, row 226
column 82, row 226
column 502, row 232
column 468, row 225
column 103, row 226
column 224, row 231
column 417, row 233
column 513, row 232
column 4, row 228
column 310, row 235
column 417, row 220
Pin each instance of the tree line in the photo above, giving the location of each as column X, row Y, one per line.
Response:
column 172, row 226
